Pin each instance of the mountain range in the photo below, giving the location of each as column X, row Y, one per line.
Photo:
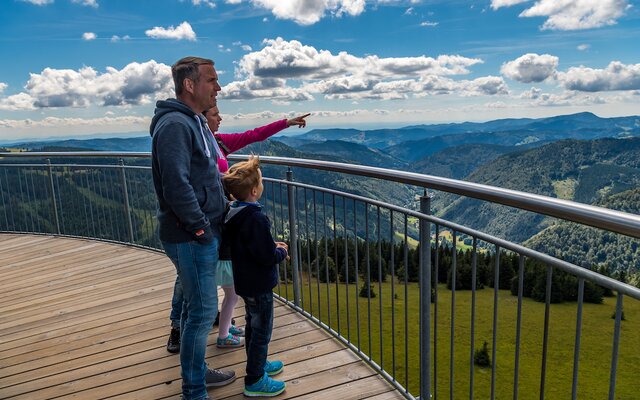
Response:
column 579, row 157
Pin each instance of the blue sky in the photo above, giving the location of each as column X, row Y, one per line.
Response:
column 80, row 67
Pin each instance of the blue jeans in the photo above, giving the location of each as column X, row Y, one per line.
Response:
column 196, row 266
column 176, row 304
column 257, row 331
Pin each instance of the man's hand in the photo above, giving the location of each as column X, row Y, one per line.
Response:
column 203, row 236
column 298, row 121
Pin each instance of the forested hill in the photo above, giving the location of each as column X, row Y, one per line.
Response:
column 569, row 169
column 592, row 247
column 354, row 152
column 459, row 161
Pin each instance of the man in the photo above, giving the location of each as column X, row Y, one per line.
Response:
column 191, row 208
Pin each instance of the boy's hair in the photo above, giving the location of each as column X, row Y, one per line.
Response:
column 187, row 67
column 242, row 177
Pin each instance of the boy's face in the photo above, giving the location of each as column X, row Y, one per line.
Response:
column 260, row 187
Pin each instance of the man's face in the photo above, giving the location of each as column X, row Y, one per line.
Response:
column 206, row 88
column 214, row 119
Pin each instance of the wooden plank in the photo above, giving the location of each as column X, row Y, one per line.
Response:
column 119, row 307
column 352, row 390
column 154, row 367
column 89, row 320
column 322, row 355
column 390, row 395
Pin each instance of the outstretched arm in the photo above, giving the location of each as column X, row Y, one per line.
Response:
column 236, row 141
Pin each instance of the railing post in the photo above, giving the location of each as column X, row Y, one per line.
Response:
column 425, row 299
column 293, row 233
column 125, row 194
column 52, row 190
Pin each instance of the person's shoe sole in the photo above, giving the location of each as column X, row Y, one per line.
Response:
column 228, row 346
column 176, row 351
column 263, row 394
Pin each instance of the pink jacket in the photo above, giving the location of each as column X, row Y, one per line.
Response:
column 236, row 141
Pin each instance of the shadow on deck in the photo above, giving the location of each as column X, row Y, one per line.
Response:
column 85, row 319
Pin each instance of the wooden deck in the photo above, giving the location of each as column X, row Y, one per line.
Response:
column 83, row 319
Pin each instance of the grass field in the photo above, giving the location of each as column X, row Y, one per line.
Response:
column 596, row 340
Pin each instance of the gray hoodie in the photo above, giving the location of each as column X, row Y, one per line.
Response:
column 185, row 173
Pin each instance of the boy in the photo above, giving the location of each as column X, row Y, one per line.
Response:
column 254, row 256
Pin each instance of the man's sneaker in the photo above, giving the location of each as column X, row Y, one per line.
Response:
column 230, row 341
column 218, row 377
column 265, row 387
column 237, row 331
column 173, row 345
column 273, row 368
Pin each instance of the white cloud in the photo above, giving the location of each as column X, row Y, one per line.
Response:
column 291, row 59
column 567, row 15
column 180, row 32
column 530, row 67
column 616, row 76
column 38, row 2
column 116, row 38
column 409, row 11
column 90, row 3
column 290, row 71
column 428, row 23
column 208, row 3
column 17, row 102
column 495, row 4
column 308, row 12
column 136, row 83
column 246, row 47
column 68, row 122
column 89, row 36
column 3, row 86
column 583, row 47
column 567, row 98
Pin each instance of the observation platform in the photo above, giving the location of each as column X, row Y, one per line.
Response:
column 86, row 319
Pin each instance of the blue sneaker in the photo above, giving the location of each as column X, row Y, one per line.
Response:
column 265, row 387
column 273, row 368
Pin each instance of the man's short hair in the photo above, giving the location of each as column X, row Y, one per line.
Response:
column 187, row 67
column 242, row 177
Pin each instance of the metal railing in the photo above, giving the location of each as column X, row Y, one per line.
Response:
column 342, row 244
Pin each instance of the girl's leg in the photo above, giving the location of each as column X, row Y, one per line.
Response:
column 226, row 312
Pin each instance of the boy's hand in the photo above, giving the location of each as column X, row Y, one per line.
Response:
column 284, row 246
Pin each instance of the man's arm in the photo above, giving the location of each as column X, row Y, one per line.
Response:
column 174, row 150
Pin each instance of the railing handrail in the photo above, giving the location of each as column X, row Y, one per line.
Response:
column 598, row 217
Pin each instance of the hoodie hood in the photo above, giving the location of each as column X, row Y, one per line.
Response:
column 166, row 106
column 237, row 207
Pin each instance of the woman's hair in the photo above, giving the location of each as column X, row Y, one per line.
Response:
column 242, row 177
column 187, row 67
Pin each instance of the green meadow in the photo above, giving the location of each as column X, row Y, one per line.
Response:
column 388, row 315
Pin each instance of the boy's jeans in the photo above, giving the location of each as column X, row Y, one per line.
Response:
column 257, row 331
column 196, row 266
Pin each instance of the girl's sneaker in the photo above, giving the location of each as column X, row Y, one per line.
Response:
column 273, row 368
column 265, row 387
column 237, row 331
column 230, row 341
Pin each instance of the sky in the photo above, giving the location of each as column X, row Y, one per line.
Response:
column 75, row 68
